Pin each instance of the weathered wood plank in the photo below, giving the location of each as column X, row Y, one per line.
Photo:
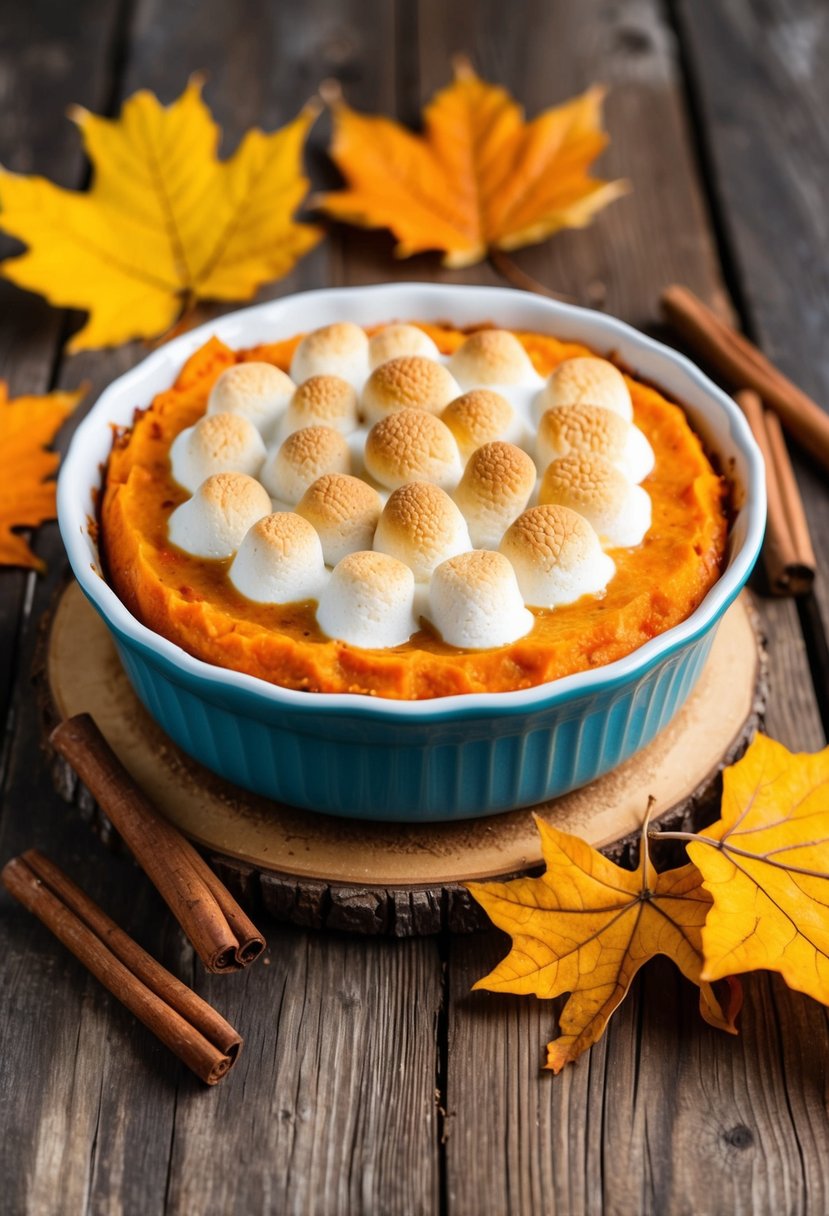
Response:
column 664, row 1115
column 621, row 1131
column 342, row 1079
column 758, row 74
column 62, row 1040
column 86, row 1090
column 332, row 1092
column 332, row 1106
column 46, row 62
column 724, row 1134
column 792, row 715
column 552, row 53
column 302, row 1122
column 517, row 1140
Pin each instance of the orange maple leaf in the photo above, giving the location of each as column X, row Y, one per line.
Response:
column 165, row 223
column 766, row 866
column 480, row 178
column 27, row 493
column 586, row 926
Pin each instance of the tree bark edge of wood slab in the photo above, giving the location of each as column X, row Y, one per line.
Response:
column 392, row 908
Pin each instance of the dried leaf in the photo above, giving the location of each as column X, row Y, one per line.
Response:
column 586, row 926
column 164, row 223
column 766, row 866
column 479, row 178
column 27, row 495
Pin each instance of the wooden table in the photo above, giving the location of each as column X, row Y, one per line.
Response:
column 372, row 1080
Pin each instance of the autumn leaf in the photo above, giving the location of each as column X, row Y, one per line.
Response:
column 480, row 178
column 27, row 495
column 766, row 866
column 165, row 223
column 586, row 926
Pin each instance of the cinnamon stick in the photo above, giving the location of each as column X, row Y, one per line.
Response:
column 222, row 935
column 788, row 555
column 191, row 1028
column 742, row 365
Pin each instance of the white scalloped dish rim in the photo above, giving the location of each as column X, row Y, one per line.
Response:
column 712, row 414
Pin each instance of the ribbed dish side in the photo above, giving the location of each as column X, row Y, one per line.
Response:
column 517, row 761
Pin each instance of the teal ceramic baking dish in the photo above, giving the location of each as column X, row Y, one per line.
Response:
column 452, row 757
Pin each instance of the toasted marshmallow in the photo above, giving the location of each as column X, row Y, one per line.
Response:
column 618, row 510
column 411, row 445
column 495, row 488
column 344, row 511
column 395, row 340
column 279, row 561
column 369, row 601
column 340, row 349
column 475, row 602
column 421, row 526
column 213, row 522
column 304, row 456
column 479, row 417
column 258, row 391
column 408, row 382
column 586, row 380
column 491, row 356
column 591, row 428
column 321, row 401
column 218, row 443
column 556, row 555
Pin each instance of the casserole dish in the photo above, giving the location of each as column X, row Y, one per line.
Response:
column 453, row 757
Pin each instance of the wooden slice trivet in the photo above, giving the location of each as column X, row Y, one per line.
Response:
column 318, row 870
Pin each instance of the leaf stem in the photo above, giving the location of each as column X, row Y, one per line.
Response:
column 508, row 270
column 655, row 834
column 644, row 850
column 725, row 847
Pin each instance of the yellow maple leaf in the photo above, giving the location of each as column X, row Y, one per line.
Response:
column 479, row 178
column 586, row 926
column 27, row 493
column 164, row 223
column 766, row 866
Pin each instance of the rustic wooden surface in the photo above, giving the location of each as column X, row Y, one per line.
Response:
column 320, row 871
column 372, row 1081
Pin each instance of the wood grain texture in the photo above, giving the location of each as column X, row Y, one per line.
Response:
column 335, row 1110
column 664, row 1115
column 758, row 75
column 95, row 1106
column 621, row 1131
column 331, row 1107
column 635, row 244
column 45, row 64
column 66, row 1039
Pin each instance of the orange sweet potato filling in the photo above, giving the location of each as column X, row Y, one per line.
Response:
column 192, row 602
